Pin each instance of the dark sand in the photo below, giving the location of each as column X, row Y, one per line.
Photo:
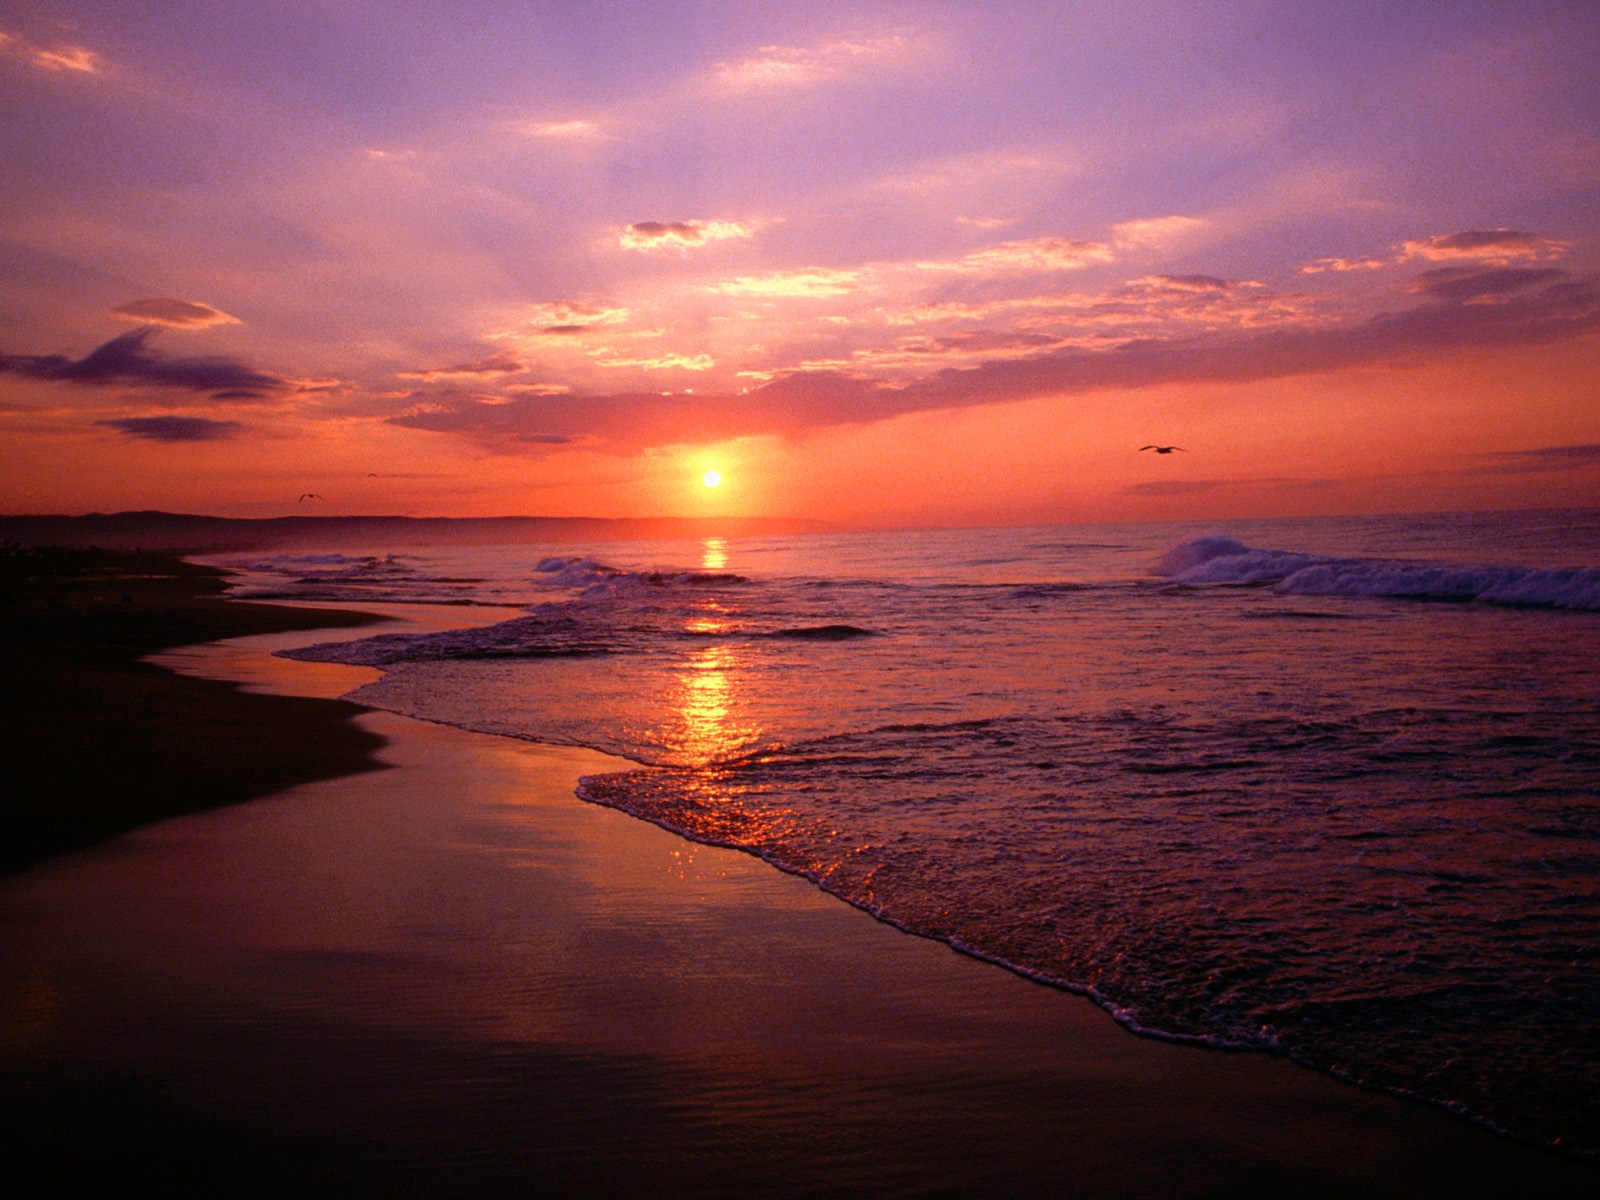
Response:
column 103, row 742
column 453, row 978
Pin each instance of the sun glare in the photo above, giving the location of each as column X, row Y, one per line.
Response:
column 712, row 479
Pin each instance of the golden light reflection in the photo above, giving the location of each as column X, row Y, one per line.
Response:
column 705, row 700
column 706, row 625
column 714, row 554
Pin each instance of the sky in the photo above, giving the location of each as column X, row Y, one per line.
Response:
column 875, row 264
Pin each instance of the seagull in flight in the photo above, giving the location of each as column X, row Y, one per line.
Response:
column 1163, row 449
column 304, row 496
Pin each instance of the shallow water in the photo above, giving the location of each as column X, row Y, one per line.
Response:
column 1321, row 787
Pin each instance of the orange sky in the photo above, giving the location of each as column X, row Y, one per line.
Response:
column 873, row 269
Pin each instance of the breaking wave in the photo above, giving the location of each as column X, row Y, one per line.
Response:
column 1220, row 560
column 596, row 578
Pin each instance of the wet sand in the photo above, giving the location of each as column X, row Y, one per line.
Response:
column 451, row 977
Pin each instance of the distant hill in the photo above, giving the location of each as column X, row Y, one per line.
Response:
column 195, row 534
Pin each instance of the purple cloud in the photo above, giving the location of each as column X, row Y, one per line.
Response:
column 174, row 429
column 125, row 360
column 1475, row 283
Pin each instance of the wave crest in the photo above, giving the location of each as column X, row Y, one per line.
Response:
column 1218, row 559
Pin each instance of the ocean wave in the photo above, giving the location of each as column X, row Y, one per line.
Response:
column 823, row 633
column 360, row 561
column 598, row 579
column 1044, row 591
column 1220, row 560
column 540, row 635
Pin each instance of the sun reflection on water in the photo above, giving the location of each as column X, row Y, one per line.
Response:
column 704, row 703
column 714, row 554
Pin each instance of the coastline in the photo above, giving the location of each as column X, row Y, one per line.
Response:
column 106, row 742
column 480, row 981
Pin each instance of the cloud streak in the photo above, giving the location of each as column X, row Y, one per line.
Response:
column 125, row 361
column 173, row 429
column 175, row 314
column 1482, row 247
column 1546, row 458
column 676, row 237
column 1480, row 284
column 1485, row 245
column 503, row 363
column 572, row 130
column 1034, row 255
column 77, row 60
column 776, row 68
column 797, row 402
column 804, row 282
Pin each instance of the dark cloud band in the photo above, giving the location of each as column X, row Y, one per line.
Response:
column 174, row 429
column 125, row 360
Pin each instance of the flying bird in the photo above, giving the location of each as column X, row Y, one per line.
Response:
column 304, row 496
column 1163, row 449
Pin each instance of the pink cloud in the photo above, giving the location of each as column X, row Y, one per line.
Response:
column 570, row 130
column 679, row 236
column 1035, row 254
column 175, row 314
column 1485, row 245
column 75, row 59
column 1340, row 265
column 778, row 67
column 804, row 282
column 1157, row 233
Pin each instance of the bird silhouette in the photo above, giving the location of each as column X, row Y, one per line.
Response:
column 304, row 496
column 1163, row 449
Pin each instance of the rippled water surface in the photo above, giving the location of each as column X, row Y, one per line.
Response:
column 1324, row 787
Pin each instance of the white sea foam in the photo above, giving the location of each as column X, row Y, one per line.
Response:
column 1218, row 559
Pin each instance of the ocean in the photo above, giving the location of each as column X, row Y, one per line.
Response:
column 1322, row 788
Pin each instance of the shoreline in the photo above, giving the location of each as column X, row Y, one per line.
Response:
column 759, row 1006
column 97, row 727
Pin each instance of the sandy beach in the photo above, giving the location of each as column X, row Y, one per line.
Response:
column 449, row 976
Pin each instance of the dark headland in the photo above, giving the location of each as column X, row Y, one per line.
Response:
column 197, row 534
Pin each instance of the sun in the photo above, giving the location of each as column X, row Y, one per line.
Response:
column 712, row 479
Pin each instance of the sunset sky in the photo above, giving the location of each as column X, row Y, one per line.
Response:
column 874, row 264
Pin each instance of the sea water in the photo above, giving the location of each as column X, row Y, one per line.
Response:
column 1325, row 788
